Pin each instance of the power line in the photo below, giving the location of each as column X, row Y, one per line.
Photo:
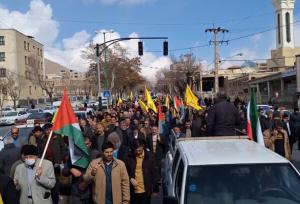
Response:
column 261, row 32
column 187, row 23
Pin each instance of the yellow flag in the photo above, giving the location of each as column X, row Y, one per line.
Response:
column 1, row 201
column 167, row 102
column 191, row 99
column 143, row 106
column 150, row 102
column 120, row 101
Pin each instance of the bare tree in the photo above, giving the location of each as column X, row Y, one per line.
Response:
column 14, row 89
column 3, row 92
column 121, row 71
column 182, row 71
column 40, row 79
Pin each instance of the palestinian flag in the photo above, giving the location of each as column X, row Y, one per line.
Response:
column 177, row 104
column 253, row 124
column 179, row 107
column 161, row 120
column 66, row 124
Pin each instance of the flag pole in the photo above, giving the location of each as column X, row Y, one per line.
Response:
column 45, row 149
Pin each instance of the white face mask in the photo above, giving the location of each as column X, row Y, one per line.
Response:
column 29, row 162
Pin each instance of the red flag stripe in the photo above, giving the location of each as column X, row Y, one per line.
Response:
column 65, row 115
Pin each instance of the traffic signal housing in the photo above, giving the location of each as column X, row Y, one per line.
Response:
column 165, row 48
column 140, row 46
column 97, row 50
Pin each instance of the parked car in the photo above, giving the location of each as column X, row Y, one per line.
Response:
column 12, row 117
column 227, row 170
column 6, row 110
column 40, row 118
column 35, row 111
column 265, row 108
column 49, row 109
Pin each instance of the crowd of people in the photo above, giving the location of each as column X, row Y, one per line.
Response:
column 127, row 146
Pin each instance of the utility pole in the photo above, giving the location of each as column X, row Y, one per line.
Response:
column 216, row 42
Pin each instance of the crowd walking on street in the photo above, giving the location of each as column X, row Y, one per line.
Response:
column 126, row 146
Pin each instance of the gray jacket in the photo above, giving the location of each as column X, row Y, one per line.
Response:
column 40, row 188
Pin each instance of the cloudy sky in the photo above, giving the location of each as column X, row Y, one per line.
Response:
column 65, row 27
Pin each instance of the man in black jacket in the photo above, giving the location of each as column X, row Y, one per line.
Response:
column 8, row 155
column 295, row 121
column 223, row 117
column 8, row 192
column 143, row 174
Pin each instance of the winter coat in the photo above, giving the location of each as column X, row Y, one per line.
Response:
column 222, row 120
column 8, row 190
column 270, row 137
column 150, row 172
column 119, row 177
column 9, row 155
column 41, row 188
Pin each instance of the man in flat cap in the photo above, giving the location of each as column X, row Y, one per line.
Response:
column 34, row 182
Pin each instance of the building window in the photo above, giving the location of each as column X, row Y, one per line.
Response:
column 33, row 47
column 26, row 60
column 41, row 65
column 25, row 45
column 2, row 42
column 288, row 27
column 38, row 51
column 2, row 56
column 28, row 46
column 30, row 90
column 278, row 28
column 2, row 72
column 41, row 52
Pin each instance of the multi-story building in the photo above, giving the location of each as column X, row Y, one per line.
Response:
column 62, row 77
column 22, row 58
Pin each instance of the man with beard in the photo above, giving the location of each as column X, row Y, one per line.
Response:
column 109, row 177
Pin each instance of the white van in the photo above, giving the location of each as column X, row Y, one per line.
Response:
column 229, row 171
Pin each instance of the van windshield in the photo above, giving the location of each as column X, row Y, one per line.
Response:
column 240, row 184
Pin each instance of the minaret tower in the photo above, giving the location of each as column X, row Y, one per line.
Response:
column 284, row 19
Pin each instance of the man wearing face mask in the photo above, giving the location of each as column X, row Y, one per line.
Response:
column 34, row 182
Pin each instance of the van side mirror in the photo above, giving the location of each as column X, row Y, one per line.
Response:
column 170, row 200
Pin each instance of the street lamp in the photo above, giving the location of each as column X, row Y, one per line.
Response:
column 99, row 60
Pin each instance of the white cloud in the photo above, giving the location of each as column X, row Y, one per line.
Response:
column 150, row 63
column 70, row 54
column 118, row 2
column 37, row 21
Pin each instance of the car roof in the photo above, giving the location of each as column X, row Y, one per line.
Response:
column 227, row 151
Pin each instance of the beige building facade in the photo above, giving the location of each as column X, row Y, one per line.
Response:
column 22, row 58
column 62, row 77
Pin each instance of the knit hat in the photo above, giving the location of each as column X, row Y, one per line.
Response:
column 29, row 150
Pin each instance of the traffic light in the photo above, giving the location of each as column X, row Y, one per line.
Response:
column 97, row 50
column 140, row 46
column 166, row 49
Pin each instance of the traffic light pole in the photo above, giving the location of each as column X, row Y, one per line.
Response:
column 111, row 42
column 108, row 43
